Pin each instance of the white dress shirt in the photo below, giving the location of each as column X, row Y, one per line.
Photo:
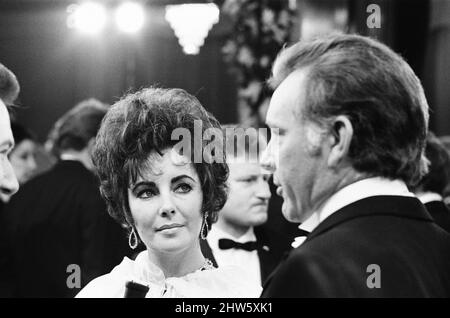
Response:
column 247, row 260
column 353, row 192
column 427, row 197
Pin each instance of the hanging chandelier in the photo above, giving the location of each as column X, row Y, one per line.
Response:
column 191, row 23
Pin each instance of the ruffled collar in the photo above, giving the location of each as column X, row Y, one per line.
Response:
column 143, row 271
column 224, row 282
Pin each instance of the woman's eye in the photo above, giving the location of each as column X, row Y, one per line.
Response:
column 249, row 180
column 145, row 194
column 183, row 188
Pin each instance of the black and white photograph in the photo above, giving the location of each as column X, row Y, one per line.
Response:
column 224, row 154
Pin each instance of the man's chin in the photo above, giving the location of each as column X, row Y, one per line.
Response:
column 289, row 213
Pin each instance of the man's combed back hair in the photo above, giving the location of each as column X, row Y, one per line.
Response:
column 375, row 88
column 9, row 86
column 141, row 123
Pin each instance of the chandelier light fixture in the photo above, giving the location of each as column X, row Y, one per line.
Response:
column 191, row 23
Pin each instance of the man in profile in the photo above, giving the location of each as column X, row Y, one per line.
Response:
column 57, row 225
column 9, row 90
column 349, row 120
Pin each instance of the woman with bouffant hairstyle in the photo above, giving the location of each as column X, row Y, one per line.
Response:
column 164, row 197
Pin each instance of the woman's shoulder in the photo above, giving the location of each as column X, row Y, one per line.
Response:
column 111, row 285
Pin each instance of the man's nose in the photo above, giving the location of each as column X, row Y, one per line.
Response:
column 263, row 191
column 32, row 164
column 8, row 180
column 267, row 161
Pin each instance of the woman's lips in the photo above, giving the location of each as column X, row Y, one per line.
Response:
column 168, row 226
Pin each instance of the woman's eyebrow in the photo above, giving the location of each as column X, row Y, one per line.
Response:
column 178, row 178
column 142, row 183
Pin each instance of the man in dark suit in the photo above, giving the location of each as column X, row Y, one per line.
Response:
column 9, row 89
column 430, row 189
column 239, row 237
column 349, row 119
column 445, row 141
column 59, row 233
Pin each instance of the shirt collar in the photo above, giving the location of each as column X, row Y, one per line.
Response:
column 354, row 192
column 427, row 197
column 217, row 233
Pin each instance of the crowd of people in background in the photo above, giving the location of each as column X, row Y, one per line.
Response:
column 349, row 153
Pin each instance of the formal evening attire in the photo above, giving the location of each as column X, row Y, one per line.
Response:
column 206, row 282
column 258, row 251
column 59, row 235
column 437, row 208
column 372, row 238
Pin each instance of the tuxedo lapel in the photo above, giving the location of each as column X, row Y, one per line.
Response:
column 266, row 260
column 440, row 213
column 271, row 251
column 406, row 207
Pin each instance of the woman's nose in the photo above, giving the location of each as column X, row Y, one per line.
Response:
column 167, row 206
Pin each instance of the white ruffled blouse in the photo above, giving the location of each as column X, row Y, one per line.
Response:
column 223, row 282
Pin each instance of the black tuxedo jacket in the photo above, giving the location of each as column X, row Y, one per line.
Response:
column 57, row 219
column 395, row 233
column 440, row 213
column 273, row 248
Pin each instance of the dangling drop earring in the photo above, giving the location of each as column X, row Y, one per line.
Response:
column 132, row 239
column 204, row 229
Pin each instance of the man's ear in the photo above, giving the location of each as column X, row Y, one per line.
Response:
column 341, row 137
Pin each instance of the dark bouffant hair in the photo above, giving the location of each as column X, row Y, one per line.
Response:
column 143, row 122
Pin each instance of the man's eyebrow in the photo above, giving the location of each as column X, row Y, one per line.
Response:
column 276, row 124
column 270, row 123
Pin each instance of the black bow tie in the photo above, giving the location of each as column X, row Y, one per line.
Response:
column 302, row 232
column 225, row 244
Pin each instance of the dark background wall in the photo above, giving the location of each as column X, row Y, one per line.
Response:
column 419, row 30
column 57, row 67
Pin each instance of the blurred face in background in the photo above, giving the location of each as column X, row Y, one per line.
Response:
column 23, row 160
column 8, row 180
column 248, row 198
